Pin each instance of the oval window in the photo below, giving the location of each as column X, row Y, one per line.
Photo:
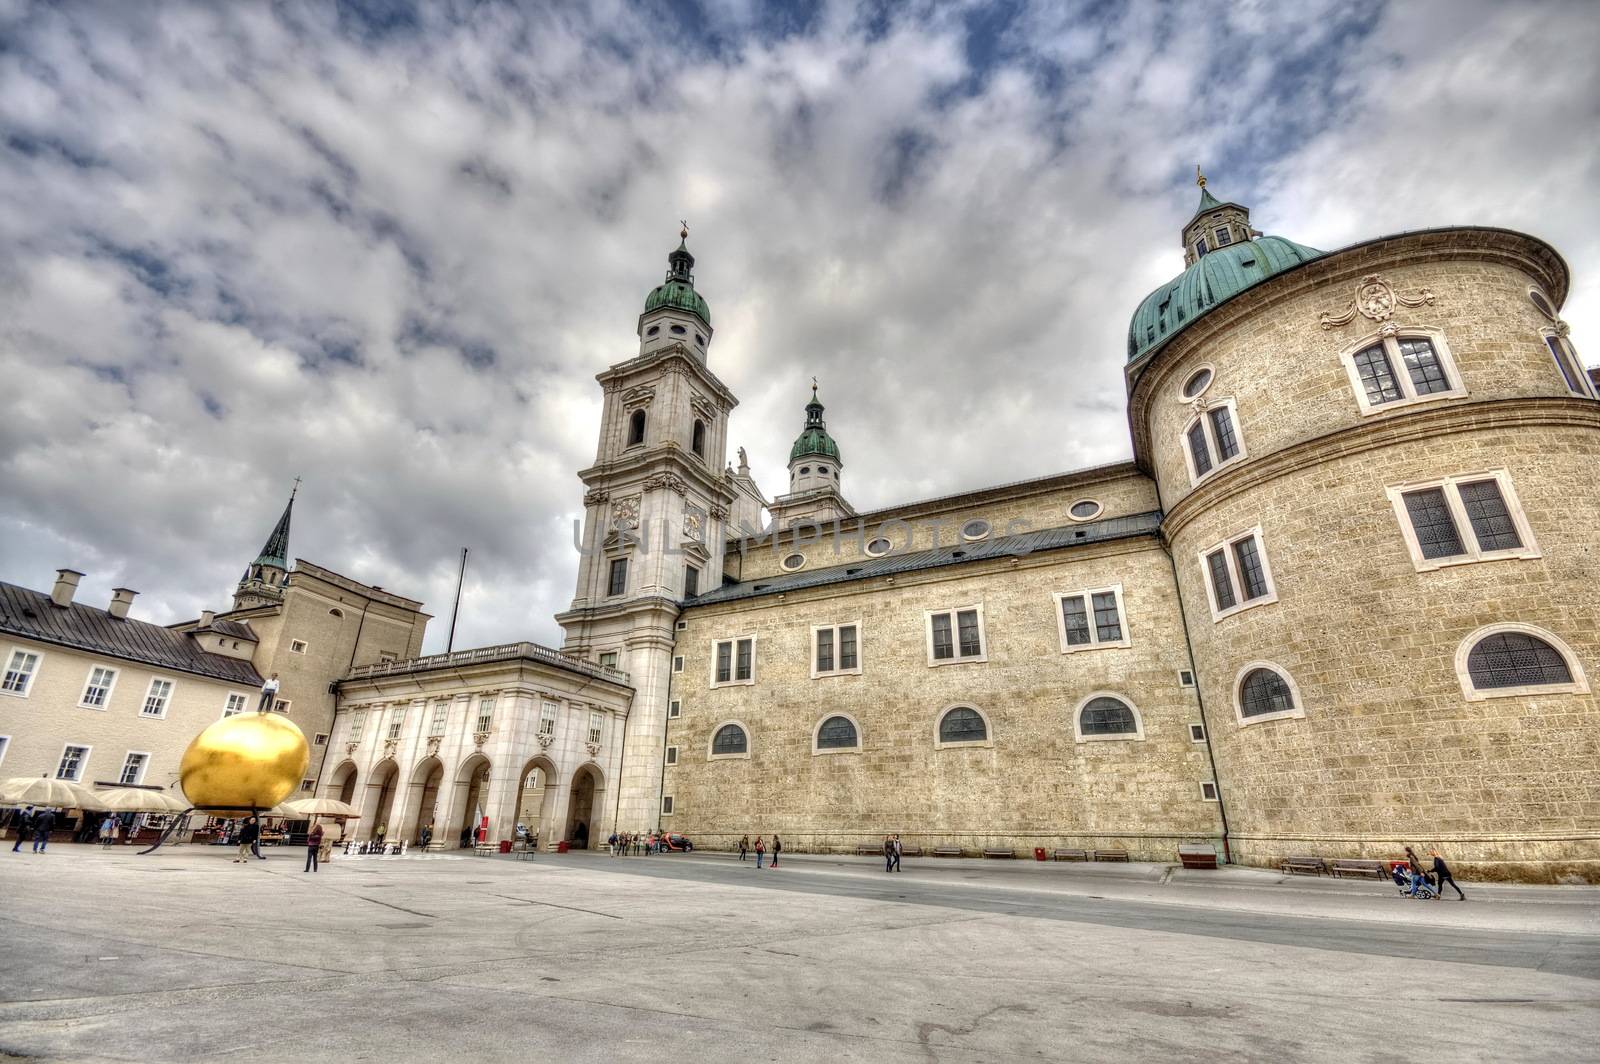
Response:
column 652, row 330
column 679, row 330
column 975, row 529
column 879, row 547
column 701, row 340
column 822, row 469
column 1198, row 382
column 804, row 470
column 793, row 562
column 1085, row 509
column 1540, row 301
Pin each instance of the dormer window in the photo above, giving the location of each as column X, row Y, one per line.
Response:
column 1224, row 236
column 636, row 428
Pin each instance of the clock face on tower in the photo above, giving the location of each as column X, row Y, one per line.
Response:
column 625, row 512
column 694, row 524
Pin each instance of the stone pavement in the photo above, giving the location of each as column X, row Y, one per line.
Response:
column 184, row 956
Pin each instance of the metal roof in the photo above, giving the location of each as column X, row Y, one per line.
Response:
column 31, row 615
column 1019, row 545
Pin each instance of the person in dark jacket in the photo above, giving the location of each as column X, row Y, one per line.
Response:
column 43, row 823
column 248, row 833
column 744, row 846
column 24, row 827
column 777, row 848
column 313, row 844
column 1441, row 876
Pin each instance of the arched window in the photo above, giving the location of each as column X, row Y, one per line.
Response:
column 697, row 438
column 730, row 740
column 1263, row 692
column 636, row 428
column 963, row 724
column 1515, row 659
column 336, row 612
column 1104, row 715
column 1403, row 367
column 837, row 733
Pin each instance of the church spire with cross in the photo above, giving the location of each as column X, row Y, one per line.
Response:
column 674, row 313
column 265, row 578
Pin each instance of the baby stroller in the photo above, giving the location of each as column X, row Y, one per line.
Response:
column 1413, row 884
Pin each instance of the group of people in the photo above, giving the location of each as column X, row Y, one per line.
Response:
column 760, row 849
column 1411, row 877
column 621, row 844
column 35, row 824
column 892, row 850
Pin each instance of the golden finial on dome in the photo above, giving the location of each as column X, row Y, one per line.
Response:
column 1199, row 178
column 683, row 234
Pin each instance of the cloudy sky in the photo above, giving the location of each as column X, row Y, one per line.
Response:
column 387, row 249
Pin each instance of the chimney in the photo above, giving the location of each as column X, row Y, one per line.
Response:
column 66, row 584
column 206, row 617
column 121, row 599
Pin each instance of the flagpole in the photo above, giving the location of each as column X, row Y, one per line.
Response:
column 456, row 609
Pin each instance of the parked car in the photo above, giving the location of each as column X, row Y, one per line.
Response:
column 677, row 843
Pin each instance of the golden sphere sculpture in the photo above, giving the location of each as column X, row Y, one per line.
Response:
column 249, row 760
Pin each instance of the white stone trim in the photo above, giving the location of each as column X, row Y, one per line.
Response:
column 298, row 646
column 667, row 804
column 712, row 739
column 880, row 553
column 1571, row 364
column 1239, row 603
column 83, row 762
column 816, row 729
column 244, row 704
column 1137, row 735
column 988, row 530
column 955, row 635
column 12, row 651
column 1199, row 737
column 733, row 661
column 1458, row 513
column 105, row 703
column 670, row 757
column 1188, row 400
column 674, row 708
column 1099, row 508
column 1390, row 338
column 5, row 747
column 817, row 674
column 144, row 766
column 786, row 567
column 1094, row 643
column 1551, row 313
column 986, row 743
column 1202, row 417
column 1214, row 796
column 1578, row 686
column 1246, row 669
column 172, row 691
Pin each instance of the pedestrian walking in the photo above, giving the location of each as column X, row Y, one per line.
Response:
column 269, row 694
column 313, row 847
column 248, row 831
column 777, row 848
column 888, row 853
column 895, row 850
column 255, row 846
column 761, row 852
column 23, row 823
column 1441, row 876
column 108, row 831
column 425, row 836
column 44, row 822
column 744, row 846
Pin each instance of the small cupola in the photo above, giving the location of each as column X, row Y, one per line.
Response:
column 814, row 460
column 674, row 313
column 1215, row 225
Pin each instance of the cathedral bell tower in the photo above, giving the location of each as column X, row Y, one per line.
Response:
column 263, row 582
column 815, row 468
column 656, row 513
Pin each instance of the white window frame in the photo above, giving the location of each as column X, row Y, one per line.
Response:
column 439, row 719
column 5, row 747
column 675, row 709
column 227, row 701
column 1246, row 669
column 1578, row 686
column 397, row 724
column 83, row 762
column 987, row 742
column 671, row 756
column 1203, row 416
column 143, row 767
column 816, row 673
column 480, row 726
column 88, row 682
column 547, row 720
column 1214, row 796
column 1186, row 684
column 597, row 727
column 357, row 726
column 614, row 655
column 298, row 646
column 816, row 730
column 281, row 705
column 955, row 635
column 1099, row 508
column 308, row 786
column 1226, row 546
column 1571, row 363
column 144, row 703
column 1197, row 732
column 1094, row 643
column 741, row 725
column 1137, row 735
column 677, row 663
column 1397, row 368
column 320, row 739
column 1451, row 486
column 1194, row 371
column 666, row 805
column 733, row 661
column 33, row 674
column 1223, row 235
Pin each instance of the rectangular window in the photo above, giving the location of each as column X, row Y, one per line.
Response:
column 1197, row 733
column 441, row 718
column 672, row 755
column 485, row 715
column 596, row 722
column 297, row 646
column 1237, row 574
column 73, row 759
column 677, row 663
column 691, row 581
column 321, row 739
column 133, row 768
column 1224, row 236
column 955, row 635
column 547, row 718
column 385, row 657
column 236, row 703
column 744, row 662
column 609, row 659
column 618, row 582
column 307, row 786
column 835, row 650
column 1185, row 678
column 1200, row 247
column 733, row 661
column 1470, row 518
column 281, row 705
column 397, row 720
column 1091, row 618
column 1212, row 440
column 19, row 673
column 1401, row 370
column 1208, row 791
column 666, row 805
column 98, row 690
column 1199, row 452
column 674, row 709
column 358, row 720
column 157, row 698
column 724, row 662
column 1222, row 432
column 5, row 741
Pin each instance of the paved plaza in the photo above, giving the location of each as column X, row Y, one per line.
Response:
column 184, row 955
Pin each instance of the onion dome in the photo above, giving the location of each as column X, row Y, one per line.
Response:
column 814, row 438
column 677, row 291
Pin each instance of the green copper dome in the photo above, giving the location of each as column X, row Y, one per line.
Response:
column 677, row 291
column 814, row 438
column 1214, row 277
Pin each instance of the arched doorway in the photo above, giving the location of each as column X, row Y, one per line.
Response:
column 380, row 797
column 342, row 783
column 583, row 804
column 473, row 780
column 536, row 799
column 422, row 804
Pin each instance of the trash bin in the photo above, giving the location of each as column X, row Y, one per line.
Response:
column 561, row 847
column 1038, row 853
column 505, row 845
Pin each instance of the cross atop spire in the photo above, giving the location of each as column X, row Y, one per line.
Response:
column 1199, row 178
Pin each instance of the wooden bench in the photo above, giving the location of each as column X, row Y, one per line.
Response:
column 1002, row 854
column 1197, row 855
column 866, row 849
column 1072, row 855
column 1111, row 855
column 947, row 851
column 1303, row 866
column 1368, row 869
column 911, row 851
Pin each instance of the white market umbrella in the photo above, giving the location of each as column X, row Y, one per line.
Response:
column 309, row 807
column 137, row 800
column 45, row 792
